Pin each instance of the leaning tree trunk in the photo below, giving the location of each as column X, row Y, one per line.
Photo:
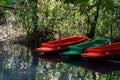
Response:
column 35, row 17
column 35, row 21
column 93, row 24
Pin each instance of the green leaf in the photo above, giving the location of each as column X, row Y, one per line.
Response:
column 108, row 5
column 2, row 2
column 5, row 2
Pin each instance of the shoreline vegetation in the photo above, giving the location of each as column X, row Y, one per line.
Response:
column 34, row 22
column 8, row 34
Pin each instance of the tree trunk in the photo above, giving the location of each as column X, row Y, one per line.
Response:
column 35, row 22
column 93, row 24
column 35, row 17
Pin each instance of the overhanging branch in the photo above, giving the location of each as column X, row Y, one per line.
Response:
column 7, row 7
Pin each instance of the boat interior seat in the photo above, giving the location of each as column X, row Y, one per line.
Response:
column 95, row 45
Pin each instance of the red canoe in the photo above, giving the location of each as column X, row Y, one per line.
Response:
column 60, row 45
column 105, row 52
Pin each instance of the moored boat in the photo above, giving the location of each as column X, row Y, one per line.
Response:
column 61, row 45
column 80, row 48
column 109, row 51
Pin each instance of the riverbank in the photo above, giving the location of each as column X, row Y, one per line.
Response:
column 9, row 33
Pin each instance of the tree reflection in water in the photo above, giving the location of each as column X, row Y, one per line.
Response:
column 19, row 63
column 22, row 63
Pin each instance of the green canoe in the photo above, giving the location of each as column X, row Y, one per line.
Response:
column 80, row 48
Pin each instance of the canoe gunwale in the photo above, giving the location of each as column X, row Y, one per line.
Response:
column 95, row 41
column 106, row 51
column 63, row 46
column 50, row 44
column 80, row 48
column 74, row 42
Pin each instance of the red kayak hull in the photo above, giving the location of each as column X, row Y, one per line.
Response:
column 106, row 51
column 60, row 45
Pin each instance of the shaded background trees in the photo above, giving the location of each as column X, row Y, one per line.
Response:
column 42, row 21
column 32, row 22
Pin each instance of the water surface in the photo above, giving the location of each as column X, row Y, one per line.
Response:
column 17, row 62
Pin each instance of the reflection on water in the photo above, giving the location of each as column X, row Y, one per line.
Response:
column 21, row 63
column 100, row 66
column 53, row 58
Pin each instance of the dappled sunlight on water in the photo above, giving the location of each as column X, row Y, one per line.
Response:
column 17, row 62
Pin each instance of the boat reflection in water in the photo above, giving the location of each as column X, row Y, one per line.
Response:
column 99, row 66
column 52, row 58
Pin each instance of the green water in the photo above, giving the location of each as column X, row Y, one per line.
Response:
column 21, row 63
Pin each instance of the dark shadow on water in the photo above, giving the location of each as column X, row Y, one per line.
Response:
column 100, row 66
column 33, row 68
column 74, row 61
column 53, row 58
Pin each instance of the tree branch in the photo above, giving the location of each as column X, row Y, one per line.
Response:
column 93, row 24
column 8, row 7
